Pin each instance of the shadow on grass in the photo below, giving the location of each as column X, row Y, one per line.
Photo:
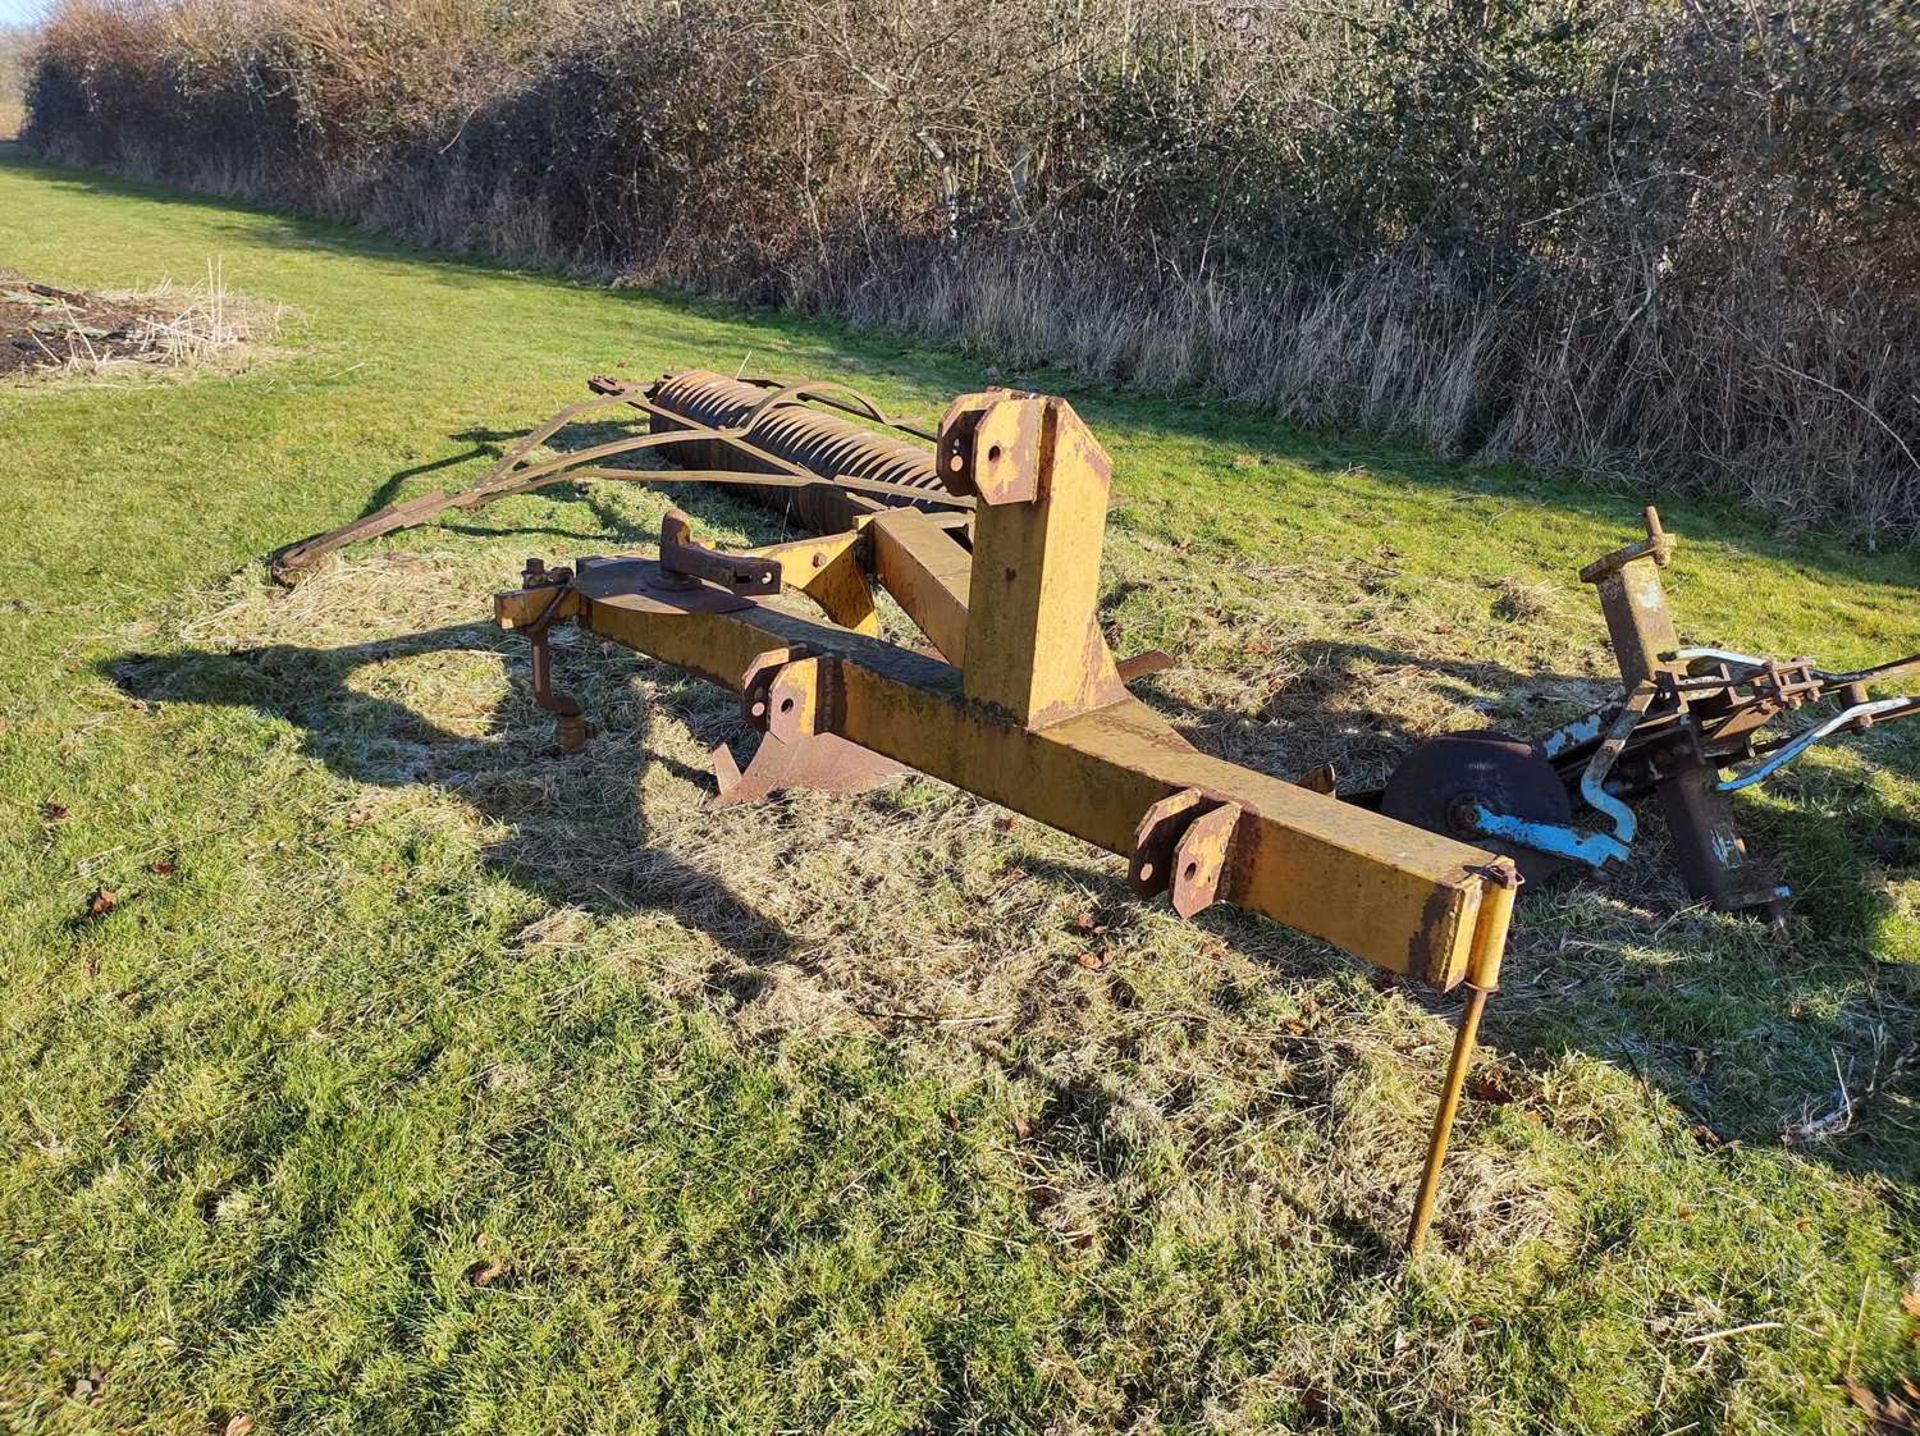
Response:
column 1738, row 1031
column 1758, row 1039
column 525, row 784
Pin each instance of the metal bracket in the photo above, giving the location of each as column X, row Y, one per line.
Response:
column 1596, row 850
column 1658, row 545
column 793, row 697
column 1184, row 843
column 989, row 447
column 1859, row 716
column 684, row 564
column 790, row 694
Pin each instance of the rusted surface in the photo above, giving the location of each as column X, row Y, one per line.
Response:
column 1712, row 856
column 826, row 470
column 1443, row 1118
column 1685, row 716
column 1022, row 702
column 1033, row 635
column 1402, row 898
column 928, row 575
column 552, row 589
column 789, row 437
column 641, row 583
column 1200, row 858
column 824, row 762
column 684, row 564
column 1143, row 665
column 832, row 570
column 1155, row 835
column 993, row 446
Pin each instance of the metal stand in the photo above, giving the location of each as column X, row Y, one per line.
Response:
column 1443, row 1119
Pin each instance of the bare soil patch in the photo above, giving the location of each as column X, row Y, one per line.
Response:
column 44, row 329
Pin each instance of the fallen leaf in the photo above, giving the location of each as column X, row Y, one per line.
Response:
column 1488, row 1088
column 1886, row 1415
column 1094, row 961
column 1910, row 1303
column 1706, row 1136
column 237, row 1426
column 163, row 868
column 103, row 901
column 1022, row 1128
column 53, row 812
column 485, row 1273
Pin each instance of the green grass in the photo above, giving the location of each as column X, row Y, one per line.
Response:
column 810, row 1117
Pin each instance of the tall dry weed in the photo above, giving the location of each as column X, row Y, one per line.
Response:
column 1607, row 233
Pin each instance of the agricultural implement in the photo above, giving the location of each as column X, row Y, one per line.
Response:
column 987, row 534
column 1684, row 717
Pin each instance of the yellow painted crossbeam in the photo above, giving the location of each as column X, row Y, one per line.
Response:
column 1406, row 900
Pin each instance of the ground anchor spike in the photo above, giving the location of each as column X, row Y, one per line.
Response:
column 1443, row 1119
column 1483, row 978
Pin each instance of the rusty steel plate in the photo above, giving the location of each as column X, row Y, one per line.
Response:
column 638, row 584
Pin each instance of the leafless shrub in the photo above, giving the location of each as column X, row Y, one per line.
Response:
column 1588, row 232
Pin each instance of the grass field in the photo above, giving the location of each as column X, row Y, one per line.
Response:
column 417, row 1077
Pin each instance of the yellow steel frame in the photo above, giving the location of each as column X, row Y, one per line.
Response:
column 1021, row 702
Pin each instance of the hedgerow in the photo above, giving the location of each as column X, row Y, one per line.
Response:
column 1672, row 238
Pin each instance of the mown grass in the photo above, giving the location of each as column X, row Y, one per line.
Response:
column 419, row 1077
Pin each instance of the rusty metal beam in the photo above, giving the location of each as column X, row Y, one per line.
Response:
column 928, row 575
column 832, row 571
column 1403, row 899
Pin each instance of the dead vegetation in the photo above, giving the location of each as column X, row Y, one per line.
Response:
column 46, row 331
column 1608, row 234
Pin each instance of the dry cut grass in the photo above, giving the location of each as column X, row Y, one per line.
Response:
column 48, row 333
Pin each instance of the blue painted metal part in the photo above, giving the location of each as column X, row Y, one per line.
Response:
column 1593, row 781
column 1596, row 850
column 1625, row 825
column 1572, row 735
column 1762, row 771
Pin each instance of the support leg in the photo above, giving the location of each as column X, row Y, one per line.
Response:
column 1443, row 1119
